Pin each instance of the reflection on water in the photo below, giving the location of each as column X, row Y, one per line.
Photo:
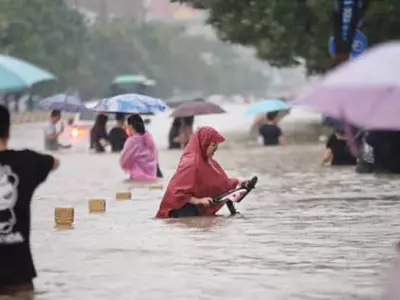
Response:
column 306, row 232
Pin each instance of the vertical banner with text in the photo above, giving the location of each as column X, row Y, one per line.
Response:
column 347, row 18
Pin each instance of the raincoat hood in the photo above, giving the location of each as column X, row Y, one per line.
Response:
column 200, row 141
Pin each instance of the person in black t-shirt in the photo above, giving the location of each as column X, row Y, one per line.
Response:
column 337, row 151
column 269, row 132
column 21, row 172
column 117, row 136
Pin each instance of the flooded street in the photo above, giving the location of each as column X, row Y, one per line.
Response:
column 305, row 232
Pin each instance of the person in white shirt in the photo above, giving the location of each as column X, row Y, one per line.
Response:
column 51, row 134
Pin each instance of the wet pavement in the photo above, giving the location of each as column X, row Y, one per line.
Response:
column 306, row 232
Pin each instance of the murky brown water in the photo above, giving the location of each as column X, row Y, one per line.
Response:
column 306, row 232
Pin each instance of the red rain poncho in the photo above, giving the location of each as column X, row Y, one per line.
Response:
column 197, row 176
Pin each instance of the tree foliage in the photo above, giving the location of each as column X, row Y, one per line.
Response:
column 46, row 33
column 286, row 32
column 87, row 57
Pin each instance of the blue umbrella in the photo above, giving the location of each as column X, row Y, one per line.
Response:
column 63, row 102
column 267, row 106
column 18, row 74
column 130, row 103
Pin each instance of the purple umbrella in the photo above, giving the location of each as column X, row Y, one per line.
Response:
column 364, row 92
column 196, row 108
column 64, row 103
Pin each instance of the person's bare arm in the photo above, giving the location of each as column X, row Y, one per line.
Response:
column 206, row 201
column 104, row 142
column 327, row 156
column 281, row 140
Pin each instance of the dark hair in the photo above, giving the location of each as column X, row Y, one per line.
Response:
column 272, row 115
column 4, row 122
column 55, row 113
column 188, row 120
column 176, row 123
column 339, row 128
column 120, row 117
column 340, row 131
column 174, row 131
column 99, row 128
column 101, row 120
column 137, row 123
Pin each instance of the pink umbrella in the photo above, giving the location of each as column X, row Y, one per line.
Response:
column 364, row 92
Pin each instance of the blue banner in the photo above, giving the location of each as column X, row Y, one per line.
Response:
column 360, row 44
column 347, row 13
column 347, row 17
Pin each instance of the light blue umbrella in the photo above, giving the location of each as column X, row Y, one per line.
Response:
column 63, row 102
column 18, row 74
column 267, row 106
column 130, row 103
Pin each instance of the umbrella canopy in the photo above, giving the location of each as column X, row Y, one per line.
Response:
column 196, row 108
column 63, row 102
column 267, row 106
column 17, row 74
column 130, row 104
column 364, row 91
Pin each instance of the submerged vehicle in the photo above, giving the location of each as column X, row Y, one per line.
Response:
column 132, row 83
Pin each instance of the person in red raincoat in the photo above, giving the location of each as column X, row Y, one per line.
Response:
column 197, row 179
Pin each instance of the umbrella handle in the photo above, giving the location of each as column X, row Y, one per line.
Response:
column 231, row 208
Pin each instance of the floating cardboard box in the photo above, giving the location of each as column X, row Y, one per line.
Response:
column 97, row 205
column 64, row 217
column 156, row 186
column 123, row 196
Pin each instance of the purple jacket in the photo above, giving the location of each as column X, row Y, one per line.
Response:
column 139, row 157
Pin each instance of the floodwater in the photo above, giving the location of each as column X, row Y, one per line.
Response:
column 306, row 232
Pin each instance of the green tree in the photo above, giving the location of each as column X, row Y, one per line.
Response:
column 111, row 49
column 177, row 61
column 285, row 33
column 45, row 32
column 86, row 57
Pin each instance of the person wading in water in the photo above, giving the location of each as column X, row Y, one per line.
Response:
column 21, row 172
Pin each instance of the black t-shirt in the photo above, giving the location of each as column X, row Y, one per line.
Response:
column 21, row 172
column 117, row 138
column 341, row 154
column 270, row 134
